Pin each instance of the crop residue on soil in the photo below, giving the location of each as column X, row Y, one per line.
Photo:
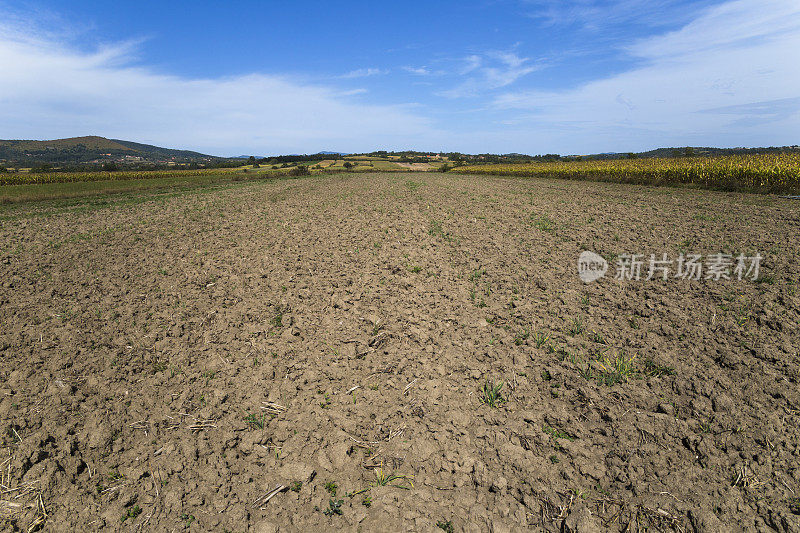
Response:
column 328, row 352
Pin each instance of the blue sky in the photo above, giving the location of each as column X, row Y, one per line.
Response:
column 532, row 76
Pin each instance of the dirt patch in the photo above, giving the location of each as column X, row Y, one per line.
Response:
column 419, row 166
column 326, row 352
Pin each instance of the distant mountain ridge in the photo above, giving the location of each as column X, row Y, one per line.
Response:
column 91, row 148
column 166, row 152
column 91, row 142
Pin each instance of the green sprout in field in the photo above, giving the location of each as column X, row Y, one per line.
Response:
column 383, row 478
column 491, row 394
column 576, row 328
column 255, row 421
column 445, row 525
column 131, row 513
column 331, row 487
column 557, row 433
column 541, row 338
column 618, row 369
column 543, row 223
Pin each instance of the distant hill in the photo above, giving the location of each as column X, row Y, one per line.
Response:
column 696, row 151
column 157, row 151
column 89, row 142
column 90, row 149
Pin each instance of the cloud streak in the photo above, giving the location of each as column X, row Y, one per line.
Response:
column 489, row 71
column 419, row 71
column 364, row 73
column 738, row 55
column 596, row 15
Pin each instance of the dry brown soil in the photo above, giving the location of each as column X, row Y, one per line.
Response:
column 142, row 337
column 419, row 166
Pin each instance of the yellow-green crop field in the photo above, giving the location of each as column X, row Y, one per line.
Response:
column 243, row 172
column 33, row 178
column 764, row 173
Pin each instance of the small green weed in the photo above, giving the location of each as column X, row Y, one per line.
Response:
column 491, row 395
column 477, row 274
column 131, row 513
column 435, row 228
column 541, row 338
column 557, row 433
column 255, row 421
column 277, row 319
column 651, row 368
column 445, row 525
column 576, row 327
column 617, row 369
column 543, row 223
column 334, row 508
column 383, row 478
column 326, row 401
column 598, row 338
column 331, row 487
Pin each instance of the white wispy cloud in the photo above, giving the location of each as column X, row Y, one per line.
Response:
column 364, row 73
column 741, row 55
column 353, row 92
column 471, row 63
column 742, row 24
column 599, row 14
column 419, row 71
column 50, row 89
column 489, row 71
column 512, row 67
